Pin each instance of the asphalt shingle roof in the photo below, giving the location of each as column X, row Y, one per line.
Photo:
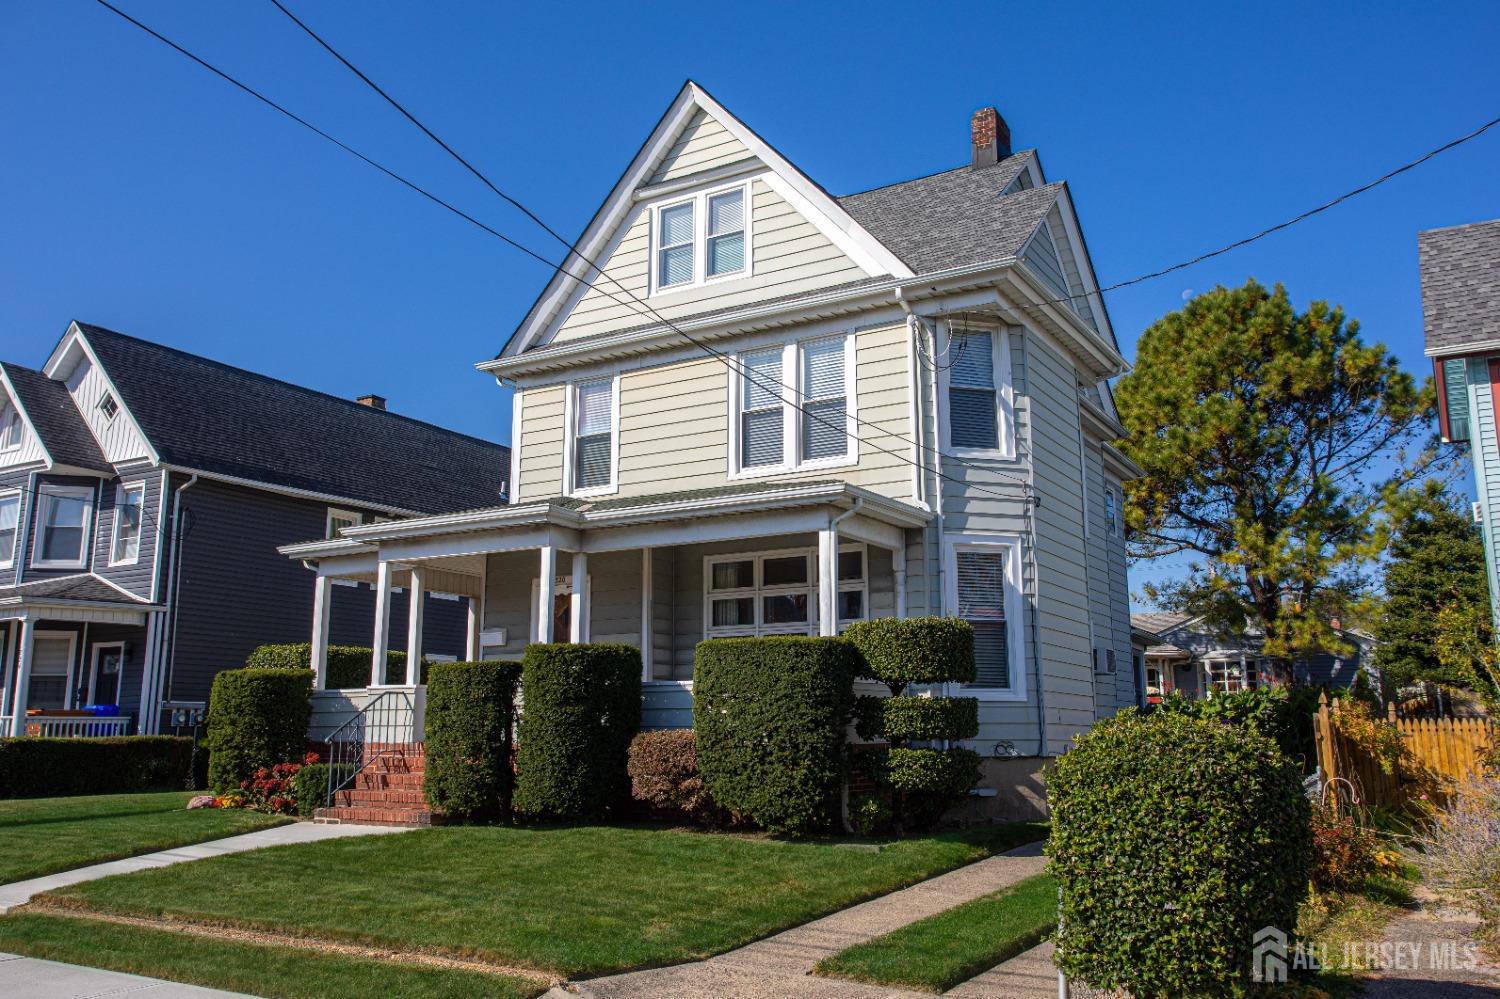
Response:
column 1157, row 622
column 79, row 587
column 1460, row 285
column 50, row 408
column 211, row 417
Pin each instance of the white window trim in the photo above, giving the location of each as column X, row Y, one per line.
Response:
column 570, row 438
column 121, row 491
column 1004, row 396
column 45, row 494
column 757, row 590
column 699, row 200
column 12, row 415
column 109, row 397
column 336, row 513
column 8, row 559
column 68, row 687
column 792, row 391
column 94, row 669
column 1015, row 621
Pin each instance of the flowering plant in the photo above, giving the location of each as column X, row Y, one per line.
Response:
column 273, row 789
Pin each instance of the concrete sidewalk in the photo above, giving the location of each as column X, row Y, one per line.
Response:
column 31, row 978
column 21, row 892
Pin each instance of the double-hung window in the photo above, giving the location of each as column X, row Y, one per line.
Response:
column 676, row 234
column 825, row 402
column 340, row 519
column 593, row 460
column 1111, row 511
column 10, row 517
column 983, row 591
column 10, row 428
column 973, row 397
column 761, row 413
column 701, row 238
column 792, row 407
column 125, row 548
column 726, row 233
column 63, row 521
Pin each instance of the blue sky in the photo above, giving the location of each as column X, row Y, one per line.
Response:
column 139, row 192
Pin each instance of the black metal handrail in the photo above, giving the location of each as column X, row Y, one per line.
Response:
column 387, row 722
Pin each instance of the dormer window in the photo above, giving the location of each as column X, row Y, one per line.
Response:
column 10, row 429
column 108, row 406
column 701, row 238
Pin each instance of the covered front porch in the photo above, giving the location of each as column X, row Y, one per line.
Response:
column 658, row 572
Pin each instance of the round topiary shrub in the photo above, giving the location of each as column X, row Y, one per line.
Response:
column 1174, row 839
column 470, row 708
column 902, row 650
column 580, row 707
column 256, row 718
column 664, row 774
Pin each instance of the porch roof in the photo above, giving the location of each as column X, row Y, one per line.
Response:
column 82, row 596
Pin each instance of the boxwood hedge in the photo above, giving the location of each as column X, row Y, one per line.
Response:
column 581, row 706
column 348, row 665
column 769, row 716
column 1174, row 839
column 899, row 651
column 256, row 718
column 44, row 768
column 470, row 734
column 904, row 719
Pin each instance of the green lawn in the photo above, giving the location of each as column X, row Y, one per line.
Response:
column 273, row 972
column 44, row 835
column 567, row 900
column 936, row 953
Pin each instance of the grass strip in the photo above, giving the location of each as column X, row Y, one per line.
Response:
column 45, row 835
column 257, row 969
column 939, row 952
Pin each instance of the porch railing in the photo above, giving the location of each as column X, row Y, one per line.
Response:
column 384, row 726
column 47, row 727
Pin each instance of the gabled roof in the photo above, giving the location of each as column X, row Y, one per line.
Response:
column 1460, row 287
column 85, row 587
column 50, row 411
column 1158, row 622
column 210, row 417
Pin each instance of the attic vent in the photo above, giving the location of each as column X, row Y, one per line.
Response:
column 108, row 406
column 372, row 400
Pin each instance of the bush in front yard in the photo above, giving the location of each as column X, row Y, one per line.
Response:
column 664, row 774
column 1174, row 839
column 769, row 717
column 45, row 768
column 581, row 706
column 470, row 712
column 902, row 650
column 348, row 665
column 256, row 718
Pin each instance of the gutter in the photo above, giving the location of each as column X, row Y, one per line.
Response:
column 162, row 674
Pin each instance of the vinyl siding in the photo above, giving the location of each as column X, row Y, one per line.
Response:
column 1486, row 452
column 540, row 440
column 137, row 577
column 1068, row 258
column 30, row 450
column 1109, row 599
column 118, row 438
column 789, row 255
column 702, row 145
column 17, row 484
column 32, row 571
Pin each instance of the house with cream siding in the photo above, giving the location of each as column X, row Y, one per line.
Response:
column 746, row 406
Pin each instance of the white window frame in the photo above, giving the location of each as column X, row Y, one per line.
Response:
column 8, row 558
column 758, row 589
column 11, row 418
column 122, row 490
column 69, row 684
column 94, row 657
column 45, row 494
column 1004, row 395
column 336, row 513
column 1015, row 621
column 699, row 201
column 1111, row 511
column 570, row 438
column 107, row 399
column 792, row 391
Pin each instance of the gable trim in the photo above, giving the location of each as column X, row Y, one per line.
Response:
column 74, row 335
column 15, row 400
column 1084, row 263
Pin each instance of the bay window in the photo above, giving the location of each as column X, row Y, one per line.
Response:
column 984, row 589
column 125, row 548
column 593, row 436
column 63, row 521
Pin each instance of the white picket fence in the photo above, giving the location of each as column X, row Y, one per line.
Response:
column 43, row 726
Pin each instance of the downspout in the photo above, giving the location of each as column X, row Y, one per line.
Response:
column 163, row 679
column 24, row 538
column 1036, row 583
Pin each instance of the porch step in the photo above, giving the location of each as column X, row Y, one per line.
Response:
column 386, row 791
column 374, row 816
column 368, row 780
column 360, row 798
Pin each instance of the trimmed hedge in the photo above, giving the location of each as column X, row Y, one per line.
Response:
column 581, row 708
column 921, row 718
column 664, row 774
column 898, row 651
column 348, row 665
column 1173, row 840
column 769, row 716
column 470, row 710
column 44, row 768
column 256, row 718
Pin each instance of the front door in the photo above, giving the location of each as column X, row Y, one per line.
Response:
column 109, row 664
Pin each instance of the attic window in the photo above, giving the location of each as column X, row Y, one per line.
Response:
column 108, row 406
column 701, row 238
column 10, row 429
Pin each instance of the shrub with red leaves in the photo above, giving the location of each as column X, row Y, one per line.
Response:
column 274, row 789
column 1343, row 853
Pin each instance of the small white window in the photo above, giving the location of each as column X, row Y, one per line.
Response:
column 675, row 253
column 108, row 406
column 63, row 527
column 726, row 233
column 1111, row 511
column 10, row 516
column 761, row 409
column 983, row 589
column 593, row 462
column 700, row 238
column 825, row 409
column 125, row 549
column 340, row 519
column 10, row 429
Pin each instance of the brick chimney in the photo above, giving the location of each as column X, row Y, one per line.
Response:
column 372, row 400
column 991, row 137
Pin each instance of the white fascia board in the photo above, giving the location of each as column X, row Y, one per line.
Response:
column 15, row 400
column 1457, row 351
column 331, row 548
column 269, row 487
column 1033, row 299
column 1098, row 421
column 1084, row 262
column 465, row 521
column 1121, row 465
column 75, row 336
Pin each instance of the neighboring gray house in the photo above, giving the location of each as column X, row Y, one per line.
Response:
column 739, row 431
column 143, row 494
column 1181, row 654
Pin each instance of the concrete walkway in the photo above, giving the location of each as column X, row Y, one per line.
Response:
column 21, row 892
column 778, row 966
column 31, row 978
column 1436, row 956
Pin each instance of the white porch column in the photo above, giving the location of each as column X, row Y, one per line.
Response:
column 23, row 679
column 416, row 604
column 898, row 569
column 6, row 668
column 547, row 573
column 322, row 611
column 472, row 650
column 382, row 622
column 578, row 609
column 828, row 581
column 648, row 643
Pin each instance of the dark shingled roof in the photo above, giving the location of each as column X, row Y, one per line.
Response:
column 957, row 218
column 1460, row 286
column 50, row 409
column 1158, row 622
column 79, row 587
column 214, row 418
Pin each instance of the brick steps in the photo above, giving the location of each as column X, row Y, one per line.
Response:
column 388, row 791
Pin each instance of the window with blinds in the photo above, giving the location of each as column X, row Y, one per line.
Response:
column 1456, row 398
column 973, row 402
column 825, row 402
column 701, row 238
column 674, row 265
column 980, row 579
column 761, row 409
column 593, row 435
column 726, row 233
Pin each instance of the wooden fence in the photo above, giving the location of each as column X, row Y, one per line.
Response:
column 1436, row 753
